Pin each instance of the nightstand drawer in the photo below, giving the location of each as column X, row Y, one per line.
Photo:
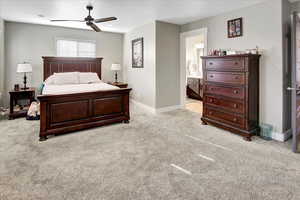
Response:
column 24, row 95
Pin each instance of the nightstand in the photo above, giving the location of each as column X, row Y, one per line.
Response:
column 24, row 95
column 119, row 84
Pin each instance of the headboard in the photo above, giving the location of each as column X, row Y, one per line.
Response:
column 71, row 64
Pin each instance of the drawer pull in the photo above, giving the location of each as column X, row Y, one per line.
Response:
column 236, row 63
column 210, row 100
column 235, row 119
column 210, row 112
column 235, row 105
column 211, row 76
column 211, row 63
column 235, row 91
column 237, row 77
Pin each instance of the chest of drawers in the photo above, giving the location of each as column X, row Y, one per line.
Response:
column 231, row 93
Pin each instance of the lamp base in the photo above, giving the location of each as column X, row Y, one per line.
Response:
column 25, row 81
column 116, row 76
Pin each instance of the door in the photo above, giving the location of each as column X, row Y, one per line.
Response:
column 295, row 81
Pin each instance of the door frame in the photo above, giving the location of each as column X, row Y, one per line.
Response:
column 183, row 78
column 293, row 87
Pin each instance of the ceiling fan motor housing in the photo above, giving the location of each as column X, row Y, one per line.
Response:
column 89, row 7
column 89, row 18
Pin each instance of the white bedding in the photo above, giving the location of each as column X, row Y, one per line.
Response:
column 76, row 88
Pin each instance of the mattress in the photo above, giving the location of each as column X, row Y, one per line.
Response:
column 76, row 88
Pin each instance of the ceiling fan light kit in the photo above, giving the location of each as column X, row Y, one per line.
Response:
column 89, row 20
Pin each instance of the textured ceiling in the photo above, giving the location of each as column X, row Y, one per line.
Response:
column 131, row 13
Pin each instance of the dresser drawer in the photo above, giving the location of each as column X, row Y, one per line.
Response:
column 226, row 77
column 232, row 92
column 229, row 118
column 235, row 64
column 230, row 105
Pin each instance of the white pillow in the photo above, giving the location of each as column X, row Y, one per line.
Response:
column 89, row 77
column 66, row 78
column 50, row 80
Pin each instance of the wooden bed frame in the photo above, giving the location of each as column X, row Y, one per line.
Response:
column 72, row 112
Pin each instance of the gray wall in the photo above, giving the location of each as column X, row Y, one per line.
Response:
column 142, row 80
column 262, row 27
column 167, row 65
column 157, row 84
column 1, row 60
column 29, row 42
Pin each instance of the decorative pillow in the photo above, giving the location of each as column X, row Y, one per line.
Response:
column 66, row 78
column 50, row 80
column 88, row 77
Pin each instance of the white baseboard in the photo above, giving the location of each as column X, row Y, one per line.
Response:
column 168, row 108
column 282, row 137
column 143, row 106
column 154, row 110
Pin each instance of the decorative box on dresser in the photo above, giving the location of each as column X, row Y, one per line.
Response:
column 231, row 93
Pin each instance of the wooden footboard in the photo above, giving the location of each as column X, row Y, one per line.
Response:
column 71, row 112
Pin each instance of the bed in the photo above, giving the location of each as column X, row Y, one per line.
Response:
column 69, row 109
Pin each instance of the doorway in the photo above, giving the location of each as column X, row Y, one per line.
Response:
column 193, row 45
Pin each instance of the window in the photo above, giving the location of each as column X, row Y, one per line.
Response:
column 74, row 48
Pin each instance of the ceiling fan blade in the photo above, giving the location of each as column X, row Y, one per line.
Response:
column 105, row 19
column 95, row 27
column 63, row 20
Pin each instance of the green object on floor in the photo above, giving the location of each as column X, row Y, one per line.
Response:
column 3, row 113
column 266, row 131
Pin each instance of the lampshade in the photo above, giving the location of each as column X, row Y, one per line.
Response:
column 24, row 67
column 199, row 46
column 115, row 67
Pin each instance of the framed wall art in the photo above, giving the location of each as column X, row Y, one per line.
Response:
column 235, row 28
column 138, row 53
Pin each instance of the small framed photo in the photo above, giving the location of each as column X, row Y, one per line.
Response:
column 138, row 53
column 235, row 28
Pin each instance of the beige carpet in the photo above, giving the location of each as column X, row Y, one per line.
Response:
column 167, row 156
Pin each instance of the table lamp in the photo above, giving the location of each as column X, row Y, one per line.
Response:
column 116, row 67
column 24, row 68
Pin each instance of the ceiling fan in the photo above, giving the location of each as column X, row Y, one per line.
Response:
column 89, row 20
